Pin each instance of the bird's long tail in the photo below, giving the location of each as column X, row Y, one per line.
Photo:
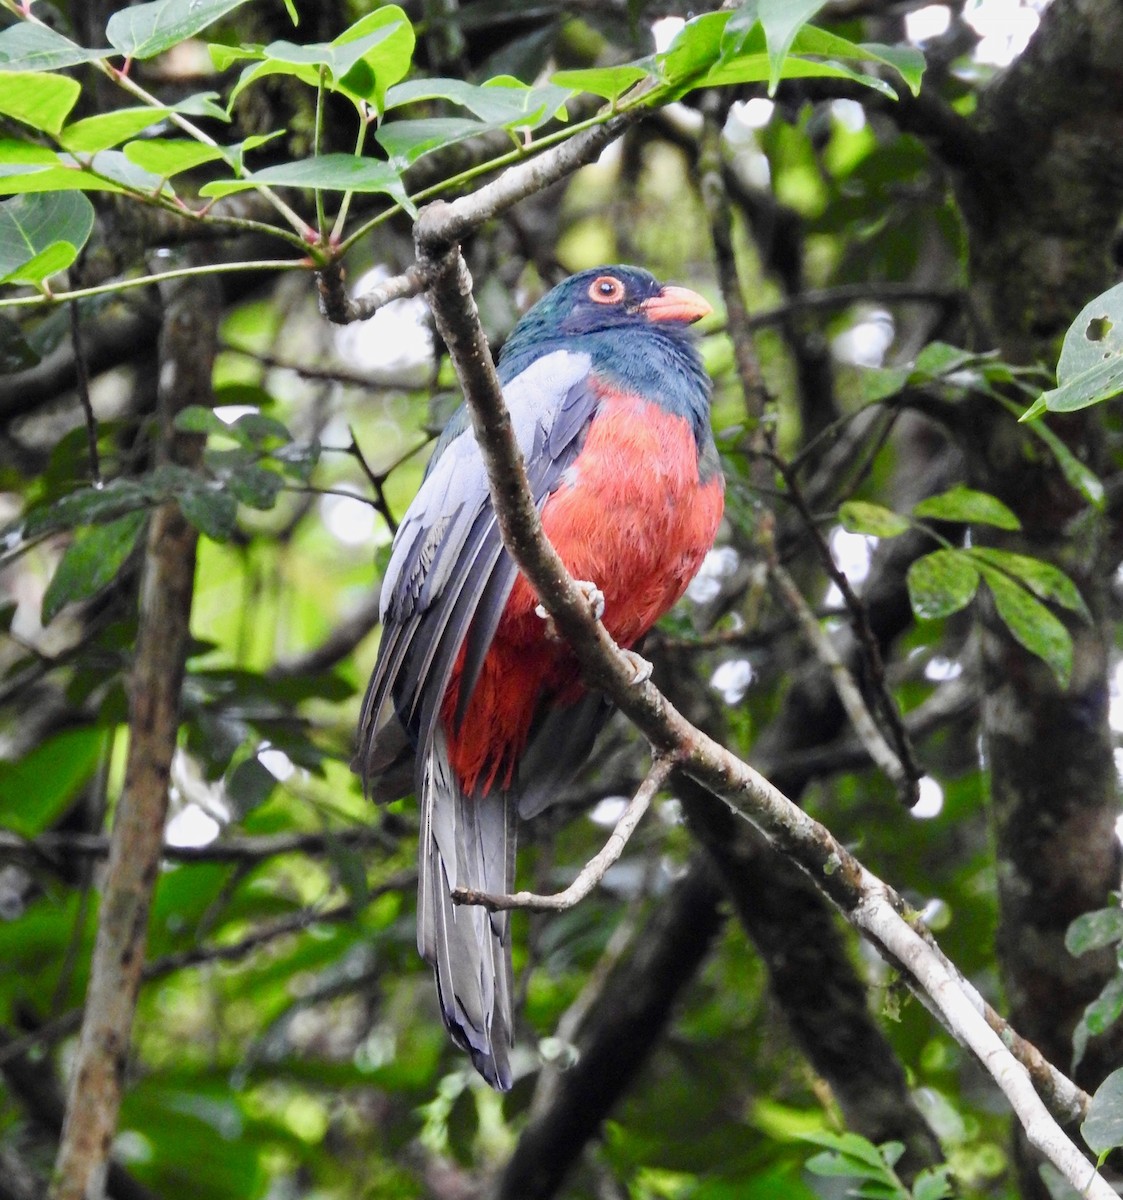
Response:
column 467, row 841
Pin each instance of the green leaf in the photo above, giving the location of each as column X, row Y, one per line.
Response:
column 149, row 29
column 91, row 562
column 938, row 360
column 257, row 487
column 386, row 62
column 1094, row 930
column 1035, row 410
column 1102, row 382
column 86, row 506
column 781, row 20
column 933, row 1184
column 28, row 47
column 407, row 141
column 107, row 171
column 41, row 101
column 965, row 504
column 31, row 230
column 1077, row 474
column 1103, row 1127
column 109, row 129
column 502, row 102
column 1090, row 368
column 332, row 172
column 609, row 82
column 15, row 352
column 1031, row 623
column 212, row 512
column 694, row 50
column 166, row 157
column 941, row 583
column 1098, row 1017
column 36, row 790
column 1042, row 578
column 859, row 516
column 249, row 785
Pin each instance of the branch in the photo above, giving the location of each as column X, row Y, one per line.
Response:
column 461, row 216
column 845, row 685
column 594, row 870
column 187, row 342
column 868, row 903
column 52, row 847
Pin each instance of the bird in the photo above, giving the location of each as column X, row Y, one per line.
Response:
column 474, row 704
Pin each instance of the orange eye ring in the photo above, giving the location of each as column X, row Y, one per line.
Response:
column 606, row 289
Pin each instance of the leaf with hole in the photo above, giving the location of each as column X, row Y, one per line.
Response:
column 41, row 236
column 859, row 516
column 941, row 583
column 965, row 504
column 91, row 562
column 146, row 30
column 1090, row 368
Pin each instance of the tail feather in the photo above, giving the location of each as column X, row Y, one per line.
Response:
column 467, row 841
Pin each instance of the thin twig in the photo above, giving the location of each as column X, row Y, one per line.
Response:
column 844, row 683
column 859, row 619
column 375, row 480
column 52, row 847
column 594, row 870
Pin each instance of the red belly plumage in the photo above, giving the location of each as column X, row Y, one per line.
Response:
column 631, row 516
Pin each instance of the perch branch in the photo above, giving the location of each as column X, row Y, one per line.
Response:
column 594, row 870
column 868, row 903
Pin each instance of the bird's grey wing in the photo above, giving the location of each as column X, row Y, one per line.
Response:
column 449, row 576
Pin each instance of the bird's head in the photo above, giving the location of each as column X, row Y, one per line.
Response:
column 607, row 298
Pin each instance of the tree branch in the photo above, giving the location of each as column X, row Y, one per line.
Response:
column 594, row 870
column 868, row 903
column 187, row 342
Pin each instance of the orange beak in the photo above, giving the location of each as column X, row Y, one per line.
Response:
column 676, row 304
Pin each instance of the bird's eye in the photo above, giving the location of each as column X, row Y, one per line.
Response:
column 606, row 289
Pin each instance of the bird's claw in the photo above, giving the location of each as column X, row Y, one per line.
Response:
column 640, row 667
column 593, row 596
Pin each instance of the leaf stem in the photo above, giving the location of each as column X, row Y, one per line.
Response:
column 121, row 285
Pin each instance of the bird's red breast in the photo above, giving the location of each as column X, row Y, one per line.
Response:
column 631, row 514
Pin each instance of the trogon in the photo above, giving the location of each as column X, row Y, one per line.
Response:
column 473, row 704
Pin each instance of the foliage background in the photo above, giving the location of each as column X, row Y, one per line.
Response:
column 909, row 266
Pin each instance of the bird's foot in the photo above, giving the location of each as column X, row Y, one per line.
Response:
column 594, row 597
column 641, row 668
